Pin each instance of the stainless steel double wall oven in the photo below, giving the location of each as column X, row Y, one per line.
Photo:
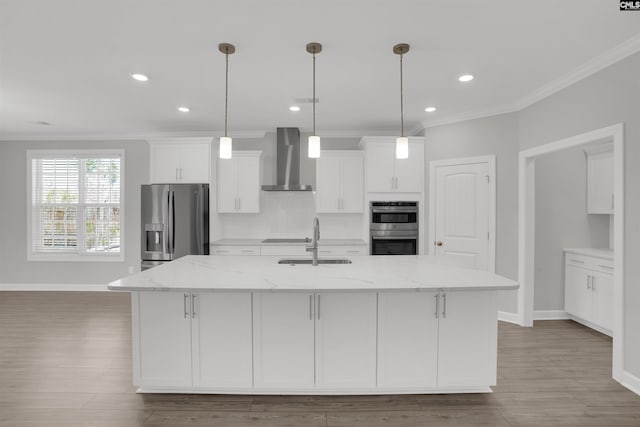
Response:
column 393, row 228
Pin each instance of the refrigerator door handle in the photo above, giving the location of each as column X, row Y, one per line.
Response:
column 199, row 225
column 172, row 222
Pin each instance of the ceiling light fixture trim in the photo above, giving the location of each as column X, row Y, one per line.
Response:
column 226, row 141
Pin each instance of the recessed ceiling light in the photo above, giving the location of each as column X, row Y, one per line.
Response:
column 465, row 78
column 139, row 77
column 184, row 109
column 294, row 108
column 430, row 109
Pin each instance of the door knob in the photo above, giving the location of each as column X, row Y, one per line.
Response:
column 438, row 243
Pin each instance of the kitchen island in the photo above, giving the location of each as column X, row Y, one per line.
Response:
column 248, row 325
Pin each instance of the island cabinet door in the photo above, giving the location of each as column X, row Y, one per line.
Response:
column 407, row 339
column 345, row 340
column 221, row 327
column 283, row 340
column 467, row 343
column 162, row 347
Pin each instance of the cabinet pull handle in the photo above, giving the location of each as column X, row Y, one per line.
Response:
column 239, row 203
column 341, row 204
column 193, row 306
column 593, row 283
column 180, row 173
column 437, row 297
column 612, row 202
column 588, row 282
column 310, row 307
column 338, row 203
column 444, row 305
column 176, row 174
column 221, row 251
column 353, row 251
column 577, row 260
column 318, row 307
column 186, row 313
column 605, row 266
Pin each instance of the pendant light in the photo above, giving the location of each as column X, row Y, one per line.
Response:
column 314, row 140
column 402, row 142
column 225, row 141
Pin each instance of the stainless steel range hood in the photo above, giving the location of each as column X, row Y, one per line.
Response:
column 287, row 162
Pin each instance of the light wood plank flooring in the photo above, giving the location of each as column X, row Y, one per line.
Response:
column 65, row 361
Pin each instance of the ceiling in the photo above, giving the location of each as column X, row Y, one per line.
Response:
column 68, row 62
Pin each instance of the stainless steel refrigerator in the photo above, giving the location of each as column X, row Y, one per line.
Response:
column 175, row 222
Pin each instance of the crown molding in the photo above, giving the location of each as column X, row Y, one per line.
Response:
column 471, row 115
column 618, row 53
column 128, row 136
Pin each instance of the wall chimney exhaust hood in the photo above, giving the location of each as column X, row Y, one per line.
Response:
column 287, row 162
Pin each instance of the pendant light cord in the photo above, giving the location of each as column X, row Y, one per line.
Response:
column 314, row 93
column 226, row 90
column 401, row 101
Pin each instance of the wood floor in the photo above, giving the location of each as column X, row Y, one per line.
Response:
column 65, row 361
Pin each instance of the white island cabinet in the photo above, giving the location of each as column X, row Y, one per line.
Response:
column 242, row 324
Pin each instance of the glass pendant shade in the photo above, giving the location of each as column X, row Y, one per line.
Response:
column 314, row 146
column 225, row 147
column 402, row 147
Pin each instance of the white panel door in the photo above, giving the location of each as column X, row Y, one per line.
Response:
column 467, row 342
column 380, row 167
column 345, row 339
column 602, row 287
column 222, row 339
column 407, row 339
column 165, row 163
column 283, row 344
column 249, row 184
column 409, row 172
column 227, row 185
column 328, row 184
column 164, row 325
column 578, row 296
column 195, row 160
column 462, row 214
column 352, row 185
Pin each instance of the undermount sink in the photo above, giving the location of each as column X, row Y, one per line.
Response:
column 320, row 261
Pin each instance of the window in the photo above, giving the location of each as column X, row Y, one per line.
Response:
column 75, row 206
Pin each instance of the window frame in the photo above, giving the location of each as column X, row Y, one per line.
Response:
column 76, row 256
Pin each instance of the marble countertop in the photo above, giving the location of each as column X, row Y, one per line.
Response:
column 259, row 242
column 603, row 253
column 233, row 273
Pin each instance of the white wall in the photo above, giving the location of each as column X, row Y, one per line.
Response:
column 14, row 267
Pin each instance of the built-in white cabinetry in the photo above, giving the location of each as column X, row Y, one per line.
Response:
column 314, row 340
column 340, row 250
column 185, row 339
column 289, row 250
column 239, row 183
column 185, row 160
column 387, row 174
column 340, row 182
column 600, row 199
column 589, row 291
column 285, row 250
column 235, row 250
column 444, row 339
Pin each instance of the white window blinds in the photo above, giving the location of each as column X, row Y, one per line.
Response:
column 76, row 206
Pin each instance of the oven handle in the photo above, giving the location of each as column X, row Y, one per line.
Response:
column 376, row 210
column 394, row 237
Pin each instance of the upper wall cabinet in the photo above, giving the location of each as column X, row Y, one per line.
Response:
column 180, row 160
column 340, row 182
column 600, row 198
column 239, row 183
column 387, row 174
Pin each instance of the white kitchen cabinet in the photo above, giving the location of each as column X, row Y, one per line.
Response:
column 589, row 291
column 283, row 340
column 184, row 160
column 222, row 340
column 340, row 182
column 239, row 183
column 164, row 339
column 600, row 199
column 341, row 250
column 407, row 339
column 285, row 250
column 345, row 340
column 446, row 339
column 192, row 339
column 467, row 338
column 387, row 174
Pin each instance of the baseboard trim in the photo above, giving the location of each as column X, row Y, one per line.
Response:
column 550, row 315
column 506, row 316
column 64, row 287
column 631, row 382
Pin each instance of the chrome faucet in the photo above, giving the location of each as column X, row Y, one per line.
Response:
column 313, row 248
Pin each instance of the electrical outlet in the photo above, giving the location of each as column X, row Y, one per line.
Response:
column 131, row 269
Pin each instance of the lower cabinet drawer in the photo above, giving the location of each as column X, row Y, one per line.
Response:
column 282, row 250
column 235, row 250
column 342, row 250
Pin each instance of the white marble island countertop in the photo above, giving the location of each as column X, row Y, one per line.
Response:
column 243, row 273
